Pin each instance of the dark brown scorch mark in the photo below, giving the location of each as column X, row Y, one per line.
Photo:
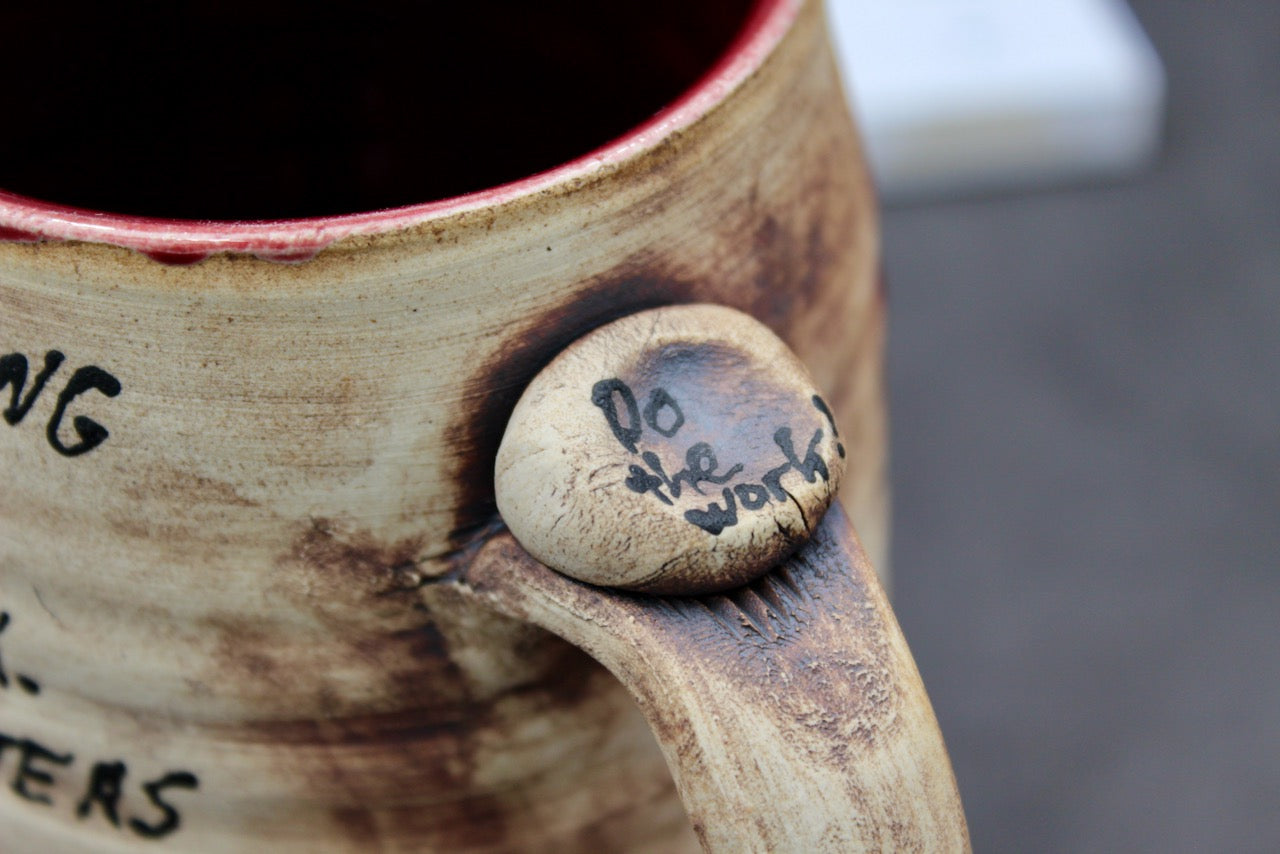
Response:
column 499, row 382
column 356, row 560
column 432, row 778
column 362, row 616
column 787, row 271
column 411, row 756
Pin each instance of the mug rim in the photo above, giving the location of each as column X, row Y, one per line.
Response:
column 179, row 241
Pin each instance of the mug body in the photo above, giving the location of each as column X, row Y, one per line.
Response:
column 242, row 460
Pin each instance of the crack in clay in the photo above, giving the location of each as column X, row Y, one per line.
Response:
column 803, row 519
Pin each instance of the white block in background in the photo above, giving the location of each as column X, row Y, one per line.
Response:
column 962, row 96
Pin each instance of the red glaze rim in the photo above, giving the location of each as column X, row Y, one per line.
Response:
column 175, row 241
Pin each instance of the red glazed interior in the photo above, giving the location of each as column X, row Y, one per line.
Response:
column 261, row 127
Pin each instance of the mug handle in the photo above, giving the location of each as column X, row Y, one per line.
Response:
column 788, row 706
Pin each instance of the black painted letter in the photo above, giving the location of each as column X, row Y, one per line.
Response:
column 812, row 462
column 91, row 433
column 29, row 773
column 602, row 396
column 825, row 410
column 713, row 520
column 171, row 820
column 752, row 495
column 13, row 373
column 105, row 782
column 641, row 481
column 4, row 624
column 659, row 400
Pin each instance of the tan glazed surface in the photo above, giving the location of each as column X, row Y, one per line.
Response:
column 241, row 617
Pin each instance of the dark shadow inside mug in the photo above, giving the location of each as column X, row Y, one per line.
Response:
column 270, row 110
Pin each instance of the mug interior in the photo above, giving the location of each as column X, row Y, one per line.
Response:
column 284, row 110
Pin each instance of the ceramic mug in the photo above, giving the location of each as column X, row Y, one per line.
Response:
column 254, row 588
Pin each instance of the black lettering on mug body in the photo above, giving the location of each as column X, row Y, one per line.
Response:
column 31, row 756
column 106, row 782
column 37, row 767
column 155, row 791
column 91, row 433
column 24, row 682
column 14, row 371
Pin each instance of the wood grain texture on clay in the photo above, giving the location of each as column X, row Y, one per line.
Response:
column 790, row 710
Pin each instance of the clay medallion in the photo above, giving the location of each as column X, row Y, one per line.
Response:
column 679, row 450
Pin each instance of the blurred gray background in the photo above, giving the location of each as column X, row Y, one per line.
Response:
column 1086, row 462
